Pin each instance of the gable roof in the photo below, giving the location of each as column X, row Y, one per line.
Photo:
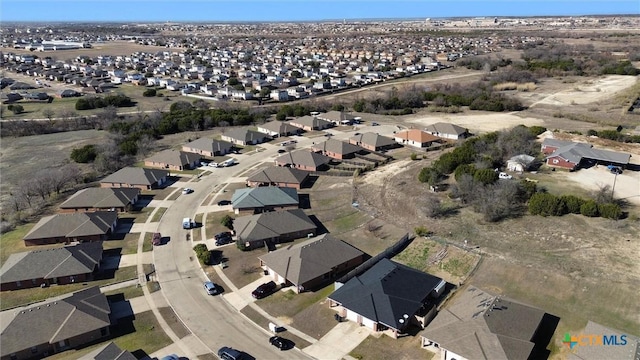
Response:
column 73, row 225
column 210, row 145
column 264, row 196
column 47, row 323
column 303, row 157
column 136, row 176
column 310, row 121
column 555, row 142
column 272, row 224
column 386, row 292
column 310, row 259
column 445, row 128
column 244, row 134
column 101, row 198
column 336, row 116
column 280, row 127
column 523, row 159
column 52, row 263
column 373, row 139
column 575, row 152
column 111, row 351
column 174, row 157
column 416, row 135
column 478, row 325
column 337, row 147
column 278, row 174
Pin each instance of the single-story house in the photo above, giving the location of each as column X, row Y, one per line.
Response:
column 571, row 155
column 337, row 117
column 388, row 297
column 262, row 199
column 66, row 93
column 628, row 351
column 520, row 163
column 337, row 149
column 173, row 160
column 135, row 177
column 72, row 227
column 101, row 199
column 208, row 147
column 372, row 141
column 278, row 128
column 549, row 145
column 278, row 176
column 240, row 136
column 478, row 325
column 111, row 351
column 447, row 131
column 310, row 123
column 416, row 138
column 65, row 265
column 254, row 231
column 303, row 160
column 55, row 326
column 313, row 263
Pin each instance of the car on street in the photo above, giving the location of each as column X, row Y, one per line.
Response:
column 264, row 290
column 281, row 343
column 211, row 288
column 187, row 191
column 204, row 163
column 227, row 353
column 505, row 176
column 374, row 124
column 280, row 151
column 156, row 239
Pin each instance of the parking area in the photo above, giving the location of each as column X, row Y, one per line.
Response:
column 624, row 186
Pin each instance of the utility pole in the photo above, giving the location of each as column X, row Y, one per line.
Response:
column 614, row 184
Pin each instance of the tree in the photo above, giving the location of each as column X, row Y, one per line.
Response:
column 150, row 93
column 202, row 253
column 16, row 108
column 546, row 204
column 85, row 154
column 485, row 176
column 48, row 113
column 280, row 116
column 227, row 221
column 265, row 92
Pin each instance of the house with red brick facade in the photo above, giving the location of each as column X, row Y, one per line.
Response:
column 337, row 149
column 303, row 160
column 310, row 123
column 72, row 227
column 270, row 228
column 173, row 160
column 570, row 155
column 372, row 141
column 101, row 199
column 262, row 199
column 208, row 147
column 136, row 177
column 278, row 176
column 416, row 138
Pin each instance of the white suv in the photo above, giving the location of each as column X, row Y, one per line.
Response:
column 504, row 175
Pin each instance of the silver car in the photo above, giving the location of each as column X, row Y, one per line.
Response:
column 210, row 288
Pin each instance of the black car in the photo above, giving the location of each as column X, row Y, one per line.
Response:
column 224, row 202
column 264, row 290
column 280, row 151
column 227, row 353
column 223, row 238
column 281, row 343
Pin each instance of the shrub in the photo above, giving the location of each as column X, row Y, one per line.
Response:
column 592, row 132
column 537, row 130
column 469, row 169
column 589, row 208
column 610, row 211
column 421, row 231
column 227, row 221
column 85, row 154
column 15, row 108
column 414, row 156
column 545, row 204
column 203, row 253
column 430, row 176
column 149, row 93
column 572, row 203
column 485, row 176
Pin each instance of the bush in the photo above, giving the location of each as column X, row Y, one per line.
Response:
column 421, row 231
column 589, row 208
column 414, row 156
column 485, row 176
column 16, row 108
column 85, row 154
column 610, row 211
column 203, row 253
column 572, row 203
column 227, row 221
column 430, row 176
column 545, row 204
column 149, row 93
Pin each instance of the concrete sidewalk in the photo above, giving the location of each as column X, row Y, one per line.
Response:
column 338, row 342
column 137, row 305
column 115, row 262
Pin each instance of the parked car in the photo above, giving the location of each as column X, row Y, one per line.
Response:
column 281, row 343
column 204, row 163
column 224, row 202
column 211, row 288
column 156, row 239
column 171, row 357
column 374, row 124
column 264, row 290
column 227, row 353
column 615, row 169
column 504, row 175
column 187, row 191
column 213, row 164
column 280, row 151
column 223, row 238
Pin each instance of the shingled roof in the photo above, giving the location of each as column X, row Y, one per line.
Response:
column 310, row 259
column 337, row 147
column 416, row 136
column 280, row 127
column 272, row 224
column 101, row 198
column 311, row 122
column 386, row 292
column 278, row 174
column 303, row 157
column 575, row 152
column 336, row 116
column 111, row 351
column 244, row 135
column 264, row 196
column 136, row 176
column 48, row 323
column 52, row 263
column 174, row 157
column 73, row 225
column 445, row 128
column 210, row 145
column 373, row 139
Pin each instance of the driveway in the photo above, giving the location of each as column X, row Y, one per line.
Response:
column 137, row 305
column 338, row 342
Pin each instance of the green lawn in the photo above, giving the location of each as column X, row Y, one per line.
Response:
column 128, row 245
column 174, row 322
column 140, row 216
column 158, row 214
column 12, row 242
column 126, row 293
column 288, row 303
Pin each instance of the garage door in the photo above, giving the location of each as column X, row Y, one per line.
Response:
column 352, row 316
column 367, row 323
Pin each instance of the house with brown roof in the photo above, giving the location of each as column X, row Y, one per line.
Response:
column 173, row 160
column 208, row 147
column 310, row 123
column 337, row 149
column 479, row 325
column 311, row 264
column 372, row 141
column 278, row 176
column 447, row 131
column 111, row 351
column 416, row 138
column 278, row 128
column 64, row 265
column 101, row 199
column 262, row 199
column 72, row 227
column 243, row 136
column 303, row 160
column 270, row 228
column 51, row 327
column 136, row 177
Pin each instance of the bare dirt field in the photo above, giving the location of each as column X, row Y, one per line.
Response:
column 582, row 91
column 113, row 48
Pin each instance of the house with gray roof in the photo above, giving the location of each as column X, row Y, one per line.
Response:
column 56, row 326
column 101, row 199
column 136, row 177
column 310, row 123
column 388, row 297
column 208, row 147
column 337, row 117
column 372, row 141
column 65, row 265
column 337, row 149
column 243, row 136
column 570, row 155
column 311, row 264
column 447, row 131
column 278, row 128
column 627, row 346
column 479, row 325
column 278, row 176
column 173, row 160
column 264, row 198
column 72, row 227
column 111, row 351
column 304, row 160
column 270, row 228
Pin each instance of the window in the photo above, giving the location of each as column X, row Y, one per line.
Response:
column 555, row 161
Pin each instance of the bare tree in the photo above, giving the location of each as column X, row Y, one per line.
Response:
column 48, row 113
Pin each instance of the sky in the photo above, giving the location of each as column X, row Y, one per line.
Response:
column 296, row 10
